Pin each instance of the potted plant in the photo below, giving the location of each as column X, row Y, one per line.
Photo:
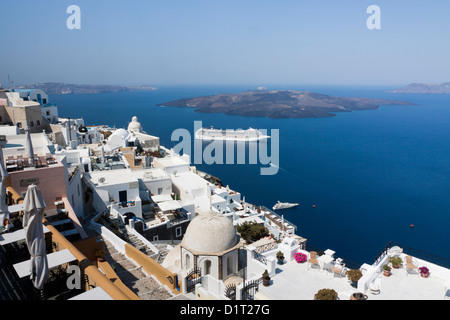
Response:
column 100, row 255
column 266, row 278
column 358, row 296
column 424, row 272
column 354, row 276
column 326, row 294
column 300, row 257
column 396, row 262
column 386, row 270
column 280, row 257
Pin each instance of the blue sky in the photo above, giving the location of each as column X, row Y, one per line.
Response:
column 257, row 42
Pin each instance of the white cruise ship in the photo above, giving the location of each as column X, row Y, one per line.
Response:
column 284, row 205
column 236, row 135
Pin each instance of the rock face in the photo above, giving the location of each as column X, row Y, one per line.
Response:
column 279, row 104
column 443, row 88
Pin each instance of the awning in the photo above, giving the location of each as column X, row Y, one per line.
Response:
column 162, row 198
column 169, row 205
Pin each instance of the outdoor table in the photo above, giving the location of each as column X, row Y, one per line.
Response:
column 325, row 260
column 94, row 294
column 15, row 208
column 15, row 236
column 54, row 259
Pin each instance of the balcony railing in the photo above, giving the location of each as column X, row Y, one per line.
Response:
column 440, row 261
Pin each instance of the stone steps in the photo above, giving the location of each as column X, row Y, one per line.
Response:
column 145, row 286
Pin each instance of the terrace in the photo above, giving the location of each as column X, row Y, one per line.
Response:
column 20, row 162
column 293, row 281
column 299, row 281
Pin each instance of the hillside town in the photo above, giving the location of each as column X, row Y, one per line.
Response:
column 136, row 221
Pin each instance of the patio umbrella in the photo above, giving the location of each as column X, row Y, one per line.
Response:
column 4, row 213
column 29, row 146
column 33, row 206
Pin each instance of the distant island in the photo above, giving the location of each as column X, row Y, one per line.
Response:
column 442, row 88
column 279, row 104
column 66, row 88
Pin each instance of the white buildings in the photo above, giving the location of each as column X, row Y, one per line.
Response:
column 118, row 189
column 134, row 136
column 156, row 180
column 22, row 113
column 36, row 95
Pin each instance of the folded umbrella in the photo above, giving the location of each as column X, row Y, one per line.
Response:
column 33, row 207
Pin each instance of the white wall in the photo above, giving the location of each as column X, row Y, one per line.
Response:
column 154, row 185
column 75, row 192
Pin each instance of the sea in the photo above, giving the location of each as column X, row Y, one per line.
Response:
column 361, row 178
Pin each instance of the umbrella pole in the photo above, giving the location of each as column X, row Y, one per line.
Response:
column 42, row 294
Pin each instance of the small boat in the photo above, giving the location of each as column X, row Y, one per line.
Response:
column 284, row 205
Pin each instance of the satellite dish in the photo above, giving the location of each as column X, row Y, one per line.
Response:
column 101, row 180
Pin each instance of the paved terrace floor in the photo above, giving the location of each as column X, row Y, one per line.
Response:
column 293, row 281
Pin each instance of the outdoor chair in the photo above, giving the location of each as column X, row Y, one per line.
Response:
column 410, row 265
column 313, row 259
column 338, row 269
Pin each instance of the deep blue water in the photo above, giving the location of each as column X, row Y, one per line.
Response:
column 371, row 174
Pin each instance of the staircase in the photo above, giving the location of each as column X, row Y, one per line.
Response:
column 137, row 243
column 143, row 285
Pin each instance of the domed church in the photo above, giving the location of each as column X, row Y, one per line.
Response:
column 212, row 244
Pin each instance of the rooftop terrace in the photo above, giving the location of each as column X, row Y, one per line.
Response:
column 293, row 281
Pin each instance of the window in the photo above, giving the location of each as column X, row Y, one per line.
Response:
column 188, row 261
column 38, row 122
column 178, row 232
column 155, row 238
column 160, row 190
column 207, row 267
column 47, row 112
column 31, row 123
column 19, row 124
column 44, row 101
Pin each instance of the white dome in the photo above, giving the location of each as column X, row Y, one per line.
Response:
column 134, row 125
column 210, row 233
column 120, row 132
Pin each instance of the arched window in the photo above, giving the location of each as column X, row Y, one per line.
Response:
column 207, row 267
column 188, row 261
column 230, row 268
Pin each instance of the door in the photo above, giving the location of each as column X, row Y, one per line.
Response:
column 123, row 196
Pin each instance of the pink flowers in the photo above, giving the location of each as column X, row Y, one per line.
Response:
column 300, row 257
column 424, row 270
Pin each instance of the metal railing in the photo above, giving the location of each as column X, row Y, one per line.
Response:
column 440, row 261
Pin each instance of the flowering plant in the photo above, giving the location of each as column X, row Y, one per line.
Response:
column 424, row 270
column 300, row 257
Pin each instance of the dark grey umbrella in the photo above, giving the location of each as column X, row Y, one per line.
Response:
column 33, row 207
